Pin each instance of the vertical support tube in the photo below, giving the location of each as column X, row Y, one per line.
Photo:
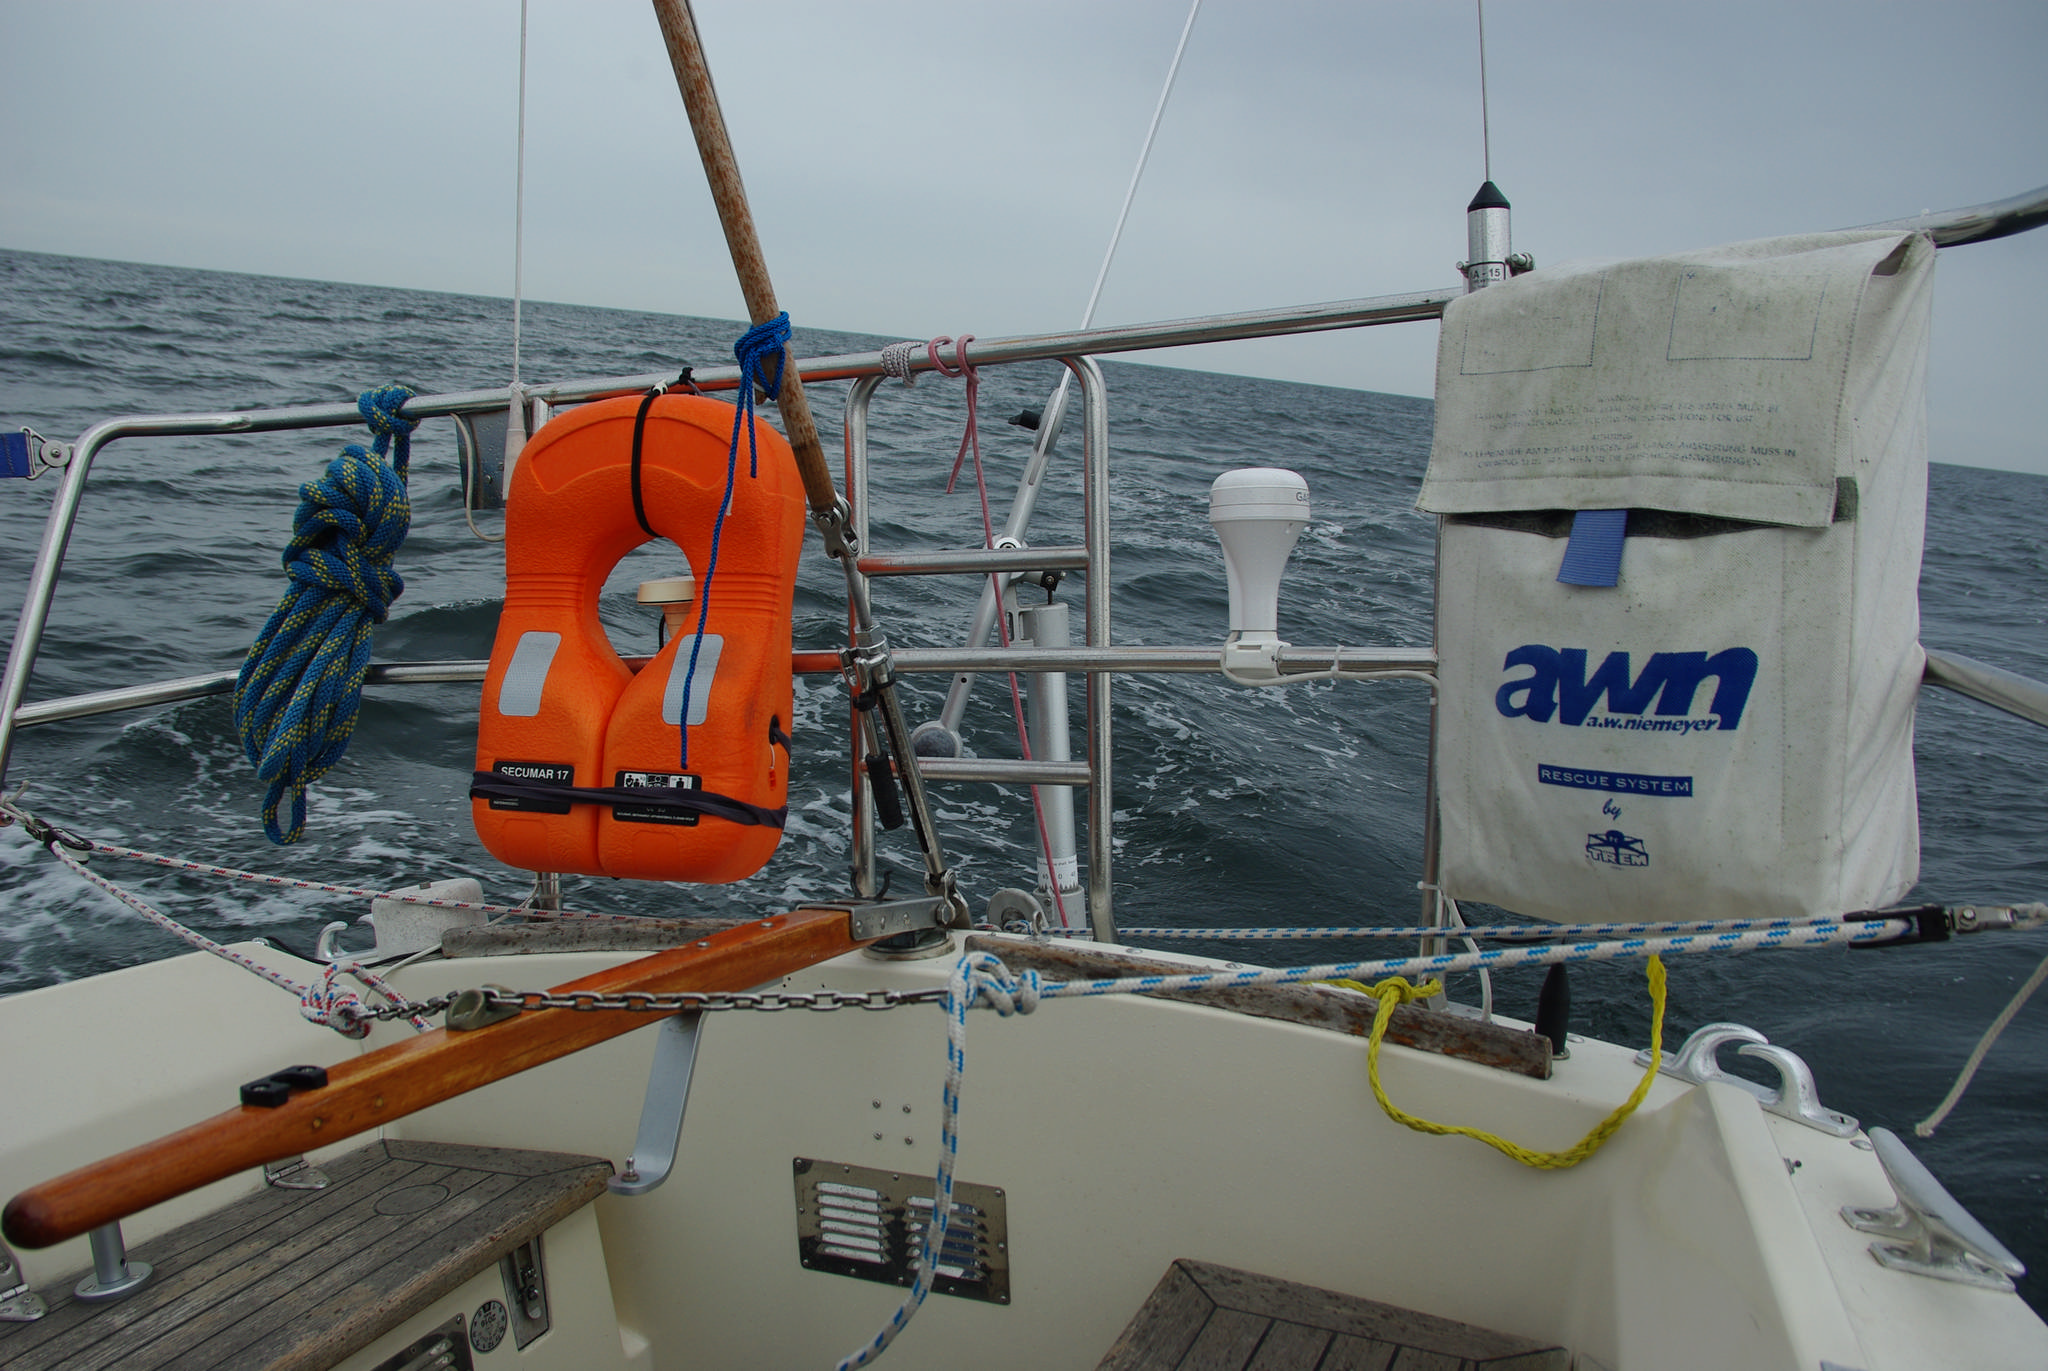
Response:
column 1051, row 420
column 1045, row 626
column 42, row 587
column 42, row 583
column 113, row 1275
column 858, row 398
column 1095, row 488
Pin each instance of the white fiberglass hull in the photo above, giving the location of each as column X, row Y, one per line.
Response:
column 1125, row 1133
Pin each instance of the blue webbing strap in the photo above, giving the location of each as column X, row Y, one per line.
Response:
column 1593, row 556
column 14, row 454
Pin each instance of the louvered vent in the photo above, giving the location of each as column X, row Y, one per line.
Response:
column 864, row 1222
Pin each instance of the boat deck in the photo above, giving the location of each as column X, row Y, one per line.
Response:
column 304, row 1278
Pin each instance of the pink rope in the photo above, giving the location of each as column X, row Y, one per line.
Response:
column 321, row 1002
column 970, row 441
column 294, row 883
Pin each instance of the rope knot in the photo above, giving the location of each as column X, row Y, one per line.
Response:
column 757, row 344
column 334, row 1006
column 896, row 362
column 987, row 980
column 380, row 409
column 1394, row 990
column 348, row 529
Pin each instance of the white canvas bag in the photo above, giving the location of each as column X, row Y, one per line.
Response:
column 1727, row 731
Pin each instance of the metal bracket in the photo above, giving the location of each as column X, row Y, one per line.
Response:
column 28, row 454
column 325, row 949
column 1934, row 1235
column 526, row 1291
column 835, row 526
column 661, row 1113
column 885, row 918
column 18, row 1303
column 471, row 1009
column 1012, row 906
column 294, row 1173
column 113, row 1275
column 1697, row 1061
column 1796, row 1098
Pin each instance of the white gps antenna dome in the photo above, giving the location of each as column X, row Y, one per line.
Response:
column 1258, row 512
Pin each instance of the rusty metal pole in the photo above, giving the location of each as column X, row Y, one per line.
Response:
column 872, row 668
column 721, row 169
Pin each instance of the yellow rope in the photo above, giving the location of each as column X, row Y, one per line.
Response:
column 1396, row 990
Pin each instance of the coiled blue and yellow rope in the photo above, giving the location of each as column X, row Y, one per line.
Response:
column 301, row 685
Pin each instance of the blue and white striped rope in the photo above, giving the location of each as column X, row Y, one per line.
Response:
column 1508, row 932
column 978, row 978
column 1494, row 958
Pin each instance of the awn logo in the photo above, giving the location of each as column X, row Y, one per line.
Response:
column 1557, row 686
column 1616, row 848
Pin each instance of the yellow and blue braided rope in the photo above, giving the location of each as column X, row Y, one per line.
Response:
column 298, row 693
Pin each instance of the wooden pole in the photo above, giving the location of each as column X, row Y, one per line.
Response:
column 394, row 1081
column 722, row 170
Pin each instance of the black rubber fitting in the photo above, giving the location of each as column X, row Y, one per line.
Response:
column 267, row 1093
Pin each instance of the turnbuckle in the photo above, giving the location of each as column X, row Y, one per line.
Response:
column 1936, row 923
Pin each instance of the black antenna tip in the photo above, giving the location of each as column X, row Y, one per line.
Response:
column 1489, row 197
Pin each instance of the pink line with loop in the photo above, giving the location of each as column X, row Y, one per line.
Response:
column 971, row 440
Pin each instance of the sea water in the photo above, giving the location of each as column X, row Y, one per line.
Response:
column 1233, row 806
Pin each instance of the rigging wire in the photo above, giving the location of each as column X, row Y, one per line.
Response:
column 1057, row 403
column 1485, row 122
column 1138, row 172
column 515, row 411
column 519, row 202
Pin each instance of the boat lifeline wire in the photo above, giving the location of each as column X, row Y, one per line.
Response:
column 324, row 1002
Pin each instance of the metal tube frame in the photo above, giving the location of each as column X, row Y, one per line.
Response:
column 1095, row 499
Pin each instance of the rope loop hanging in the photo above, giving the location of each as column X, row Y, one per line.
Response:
column 300, row 687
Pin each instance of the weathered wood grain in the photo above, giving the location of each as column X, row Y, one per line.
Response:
column 291, row 1280
column 1289, row 1347
column 1316, row 1006
column 1204, row 1317
column 1164, row 1326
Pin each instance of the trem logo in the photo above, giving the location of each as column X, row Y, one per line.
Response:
column 1616, row 848
column 1557, row 686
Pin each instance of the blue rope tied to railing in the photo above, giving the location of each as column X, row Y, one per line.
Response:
column 755, row 347
column 302, row 683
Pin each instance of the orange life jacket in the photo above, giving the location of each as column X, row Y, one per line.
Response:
column 579, row 762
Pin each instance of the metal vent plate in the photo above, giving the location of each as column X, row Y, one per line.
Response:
column 868, row 1223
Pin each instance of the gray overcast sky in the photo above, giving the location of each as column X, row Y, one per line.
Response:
column 922, row 169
